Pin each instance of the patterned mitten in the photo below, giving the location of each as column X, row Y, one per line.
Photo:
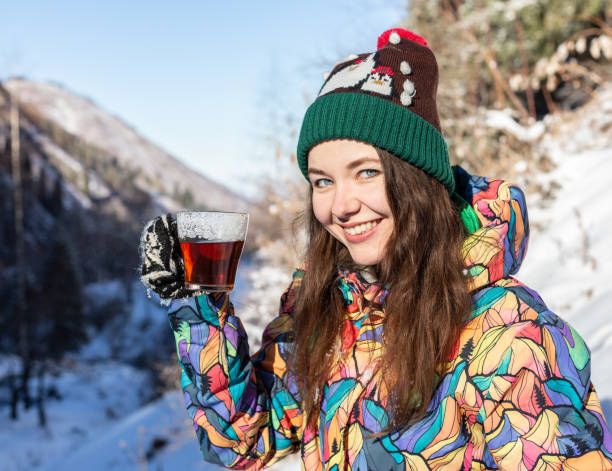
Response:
column 161, row 262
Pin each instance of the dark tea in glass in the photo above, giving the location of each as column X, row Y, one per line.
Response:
column 211, row 243
column 211, row 265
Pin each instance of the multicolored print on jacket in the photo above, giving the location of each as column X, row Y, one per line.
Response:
column 515, row 396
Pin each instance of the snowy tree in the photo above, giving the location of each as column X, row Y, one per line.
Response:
column 528, row 58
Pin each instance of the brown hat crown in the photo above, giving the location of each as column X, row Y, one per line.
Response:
column 403, row 70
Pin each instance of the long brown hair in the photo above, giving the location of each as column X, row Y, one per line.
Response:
column 427, row 302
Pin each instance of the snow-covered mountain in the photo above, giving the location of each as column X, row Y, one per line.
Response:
column 156, row 171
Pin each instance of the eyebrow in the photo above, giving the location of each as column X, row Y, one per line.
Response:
column 351, row 166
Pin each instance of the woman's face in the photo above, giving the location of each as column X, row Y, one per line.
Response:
column 349, row 197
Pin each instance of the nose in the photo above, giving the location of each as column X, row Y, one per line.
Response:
column 346, row 203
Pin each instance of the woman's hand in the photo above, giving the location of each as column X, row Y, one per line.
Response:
column 161, row 261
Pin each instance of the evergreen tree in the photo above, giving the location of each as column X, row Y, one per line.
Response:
column 41, row 189
column 26, row 170
column 55, row 200
column 187, row 199
column 5, row 153
column 57, row 304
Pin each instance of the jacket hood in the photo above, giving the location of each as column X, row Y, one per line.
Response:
column 497, row 249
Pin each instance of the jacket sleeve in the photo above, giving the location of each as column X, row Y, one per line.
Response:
column 541, row 410
column 245, row 410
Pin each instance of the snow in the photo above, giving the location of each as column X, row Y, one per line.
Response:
column 92, row 395
column 569, row 260
column 129, row 444
column 129, row 321
column 103, row 422
column 69, row 165
column 502, row 119
column 101, row 291
column 266, row 284
column 125, row 445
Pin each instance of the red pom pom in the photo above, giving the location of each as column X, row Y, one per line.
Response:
column 383, row 39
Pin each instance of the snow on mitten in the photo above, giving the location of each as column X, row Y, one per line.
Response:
column 161, row 261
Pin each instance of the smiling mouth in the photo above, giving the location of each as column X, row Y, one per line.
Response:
column 361, row 228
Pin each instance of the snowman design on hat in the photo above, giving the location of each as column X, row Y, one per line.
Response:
column 366, row 74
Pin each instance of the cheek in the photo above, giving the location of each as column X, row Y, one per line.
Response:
column 321, row 209
column 379, row 203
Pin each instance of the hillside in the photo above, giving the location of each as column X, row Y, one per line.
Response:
column 88, row 184
column 90, row 177
column 156, row 171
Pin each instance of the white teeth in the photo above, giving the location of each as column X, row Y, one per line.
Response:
column 361, row 228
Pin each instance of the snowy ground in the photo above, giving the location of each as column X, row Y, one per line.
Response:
column 92, row 398
column 100, row 425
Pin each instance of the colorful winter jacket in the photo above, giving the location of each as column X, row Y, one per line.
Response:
column 516, row 395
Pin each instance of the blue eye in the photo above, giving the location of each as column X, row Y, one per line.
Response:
column 369, row 172
column 321, row 182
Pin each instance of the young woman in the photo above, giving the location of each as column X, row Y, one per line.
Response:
column 403, row 342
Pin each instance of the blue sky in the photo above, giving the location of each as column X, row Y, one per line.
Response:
column 208, row 81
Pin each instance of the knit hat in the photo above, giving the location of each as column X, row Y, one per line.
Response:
column 385, row 98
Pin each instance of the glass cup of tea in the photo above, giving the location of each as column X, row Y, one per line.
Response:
column 211, row 243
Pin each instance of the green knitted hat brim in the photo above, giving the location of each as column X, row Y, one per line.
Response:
column 379, row 122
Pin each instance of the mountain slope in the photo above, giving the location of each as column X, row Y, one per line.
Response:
column 158, row 171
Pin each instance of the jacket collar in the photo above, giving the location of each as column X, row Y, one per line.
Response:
column 356, row 288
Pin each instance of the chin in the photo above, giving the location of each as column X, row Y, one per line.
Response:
column 365, row 259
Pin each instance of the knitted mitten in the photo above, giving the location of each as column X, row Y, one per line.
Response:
column 161, row 261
